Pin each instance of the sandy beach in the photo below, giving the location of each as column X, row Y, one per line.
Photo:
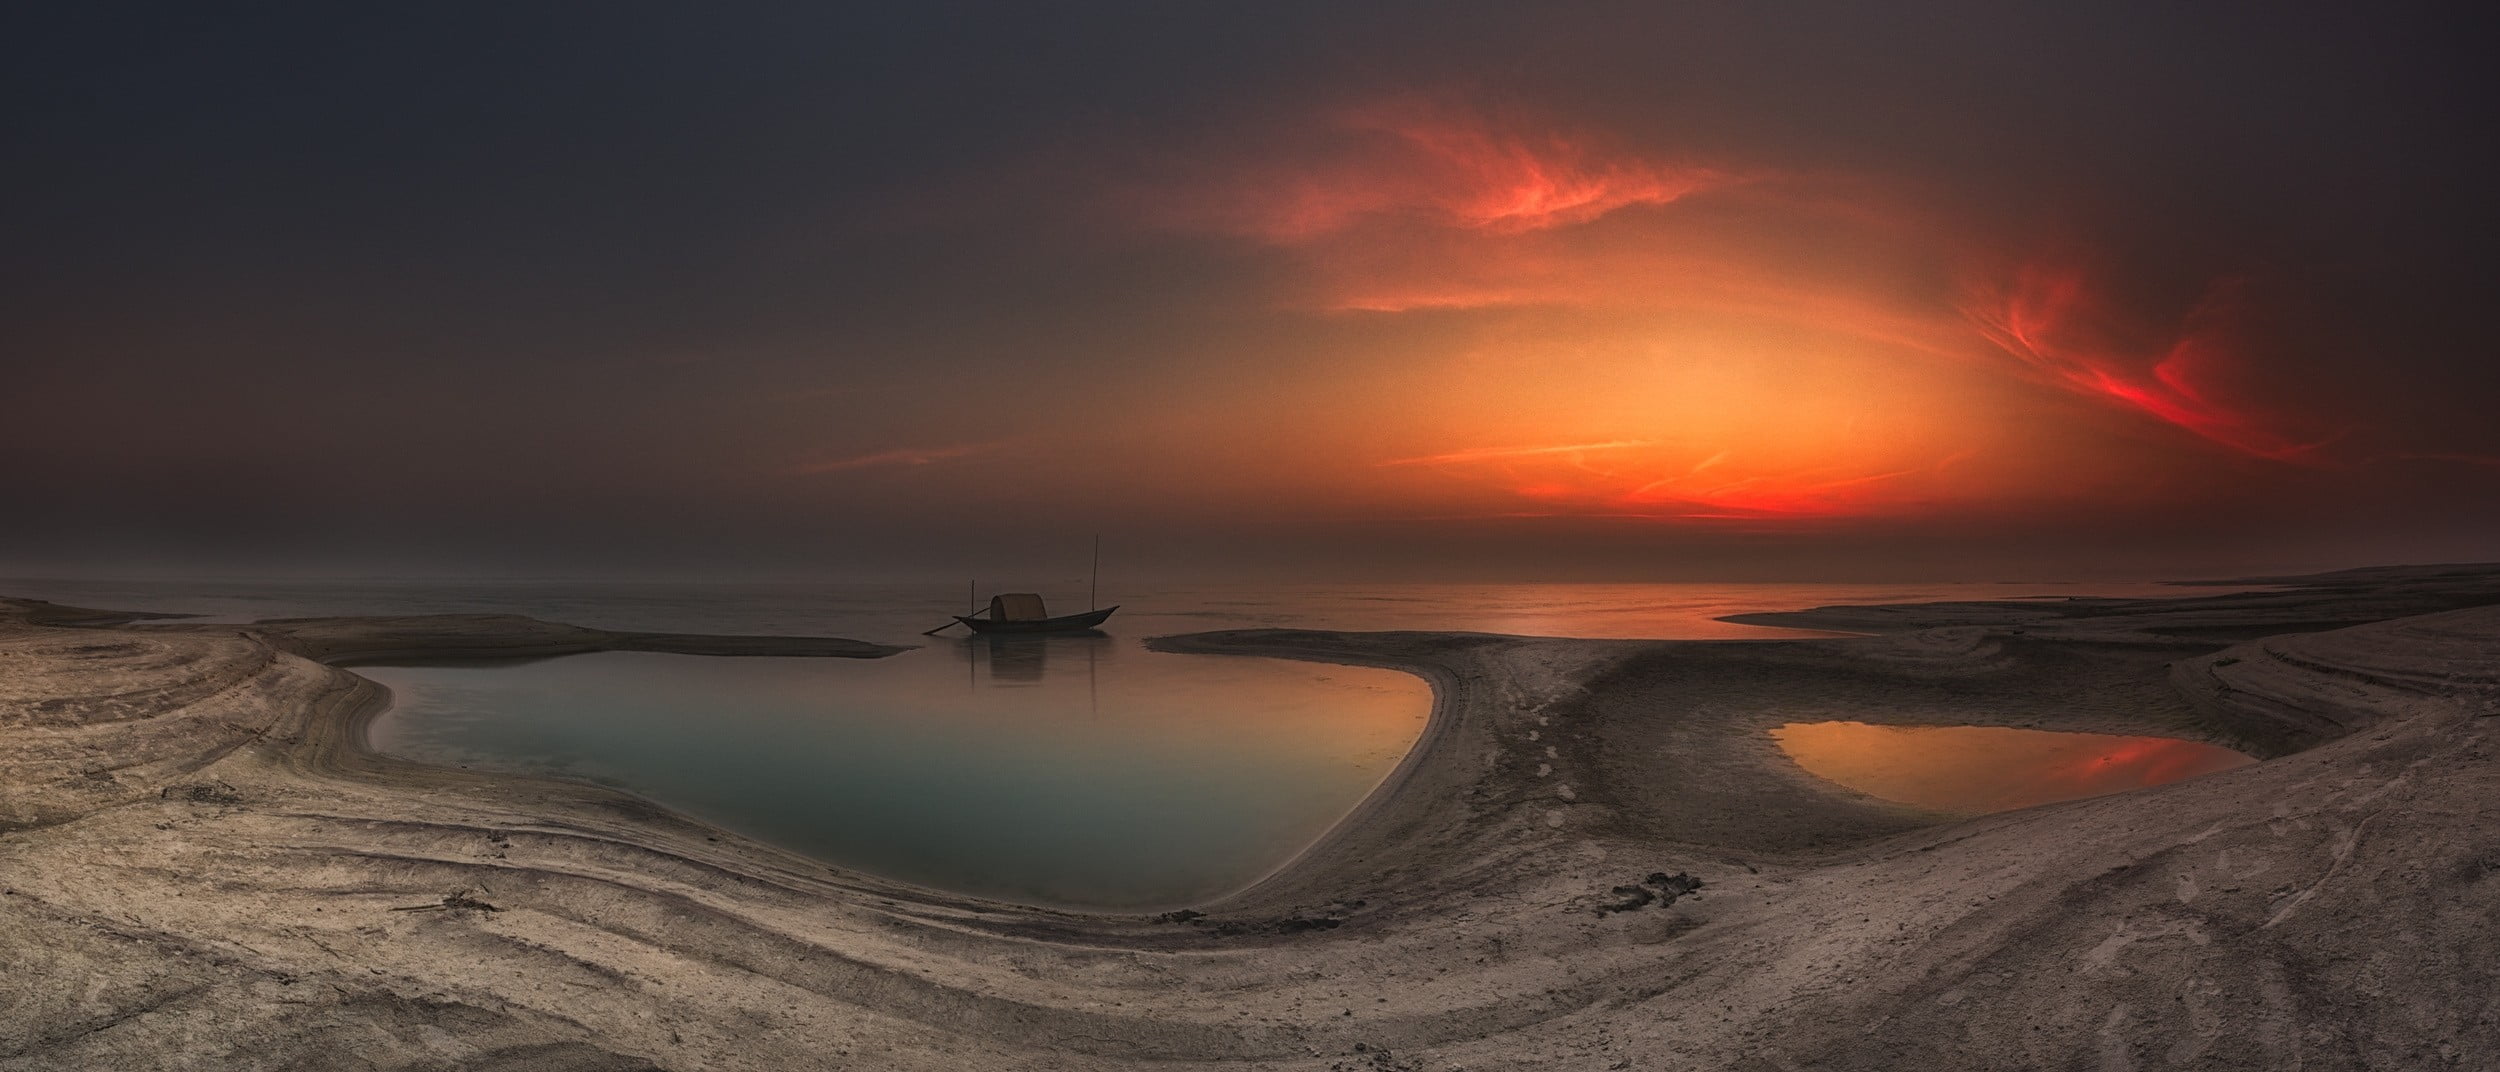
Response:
column 202, row 866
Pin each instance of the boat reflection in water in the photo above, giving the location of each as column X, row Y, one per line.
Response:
column 1025, row 658
column 1975, row 770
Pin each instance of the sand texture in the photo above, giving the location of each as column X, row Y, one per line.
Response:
column 202, row 867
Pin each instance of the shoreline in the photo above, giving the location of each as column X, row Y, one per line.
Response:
column 1442, row 711
column 229, row 870
column 1448, row 707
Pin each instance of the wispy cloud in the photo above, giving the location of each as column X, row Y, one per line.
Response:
column 1437, row 161
column 1493, row 454
column 895, row 457
column 2049, row 319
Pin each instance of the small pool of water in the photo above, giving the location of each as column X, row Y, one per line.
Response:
column 1076, row 771
column 1975, row 770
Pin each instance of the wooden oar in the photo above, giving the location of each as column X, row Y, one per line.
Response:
column 972, row 595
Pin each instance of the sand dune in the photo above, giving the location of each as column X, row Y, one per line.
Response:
column 200, row 866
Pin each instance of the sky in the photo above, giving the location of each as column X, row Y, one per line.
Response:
column 1449, row 291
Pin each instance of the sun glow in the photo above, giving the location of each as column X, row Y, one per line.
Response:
column 1573, row 326
column 1658, row 480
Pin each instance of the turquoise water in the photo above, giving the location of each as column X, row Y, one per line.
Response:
column 1060, row 771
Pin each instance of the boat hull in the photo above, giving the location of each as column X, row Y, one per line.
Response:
column 1068, row 623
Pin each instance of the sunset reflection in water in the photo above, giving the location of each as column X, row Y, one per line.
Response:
column 1974, row 770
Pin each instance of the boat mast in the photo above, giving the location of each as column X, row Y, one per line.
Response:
column 1093, row 590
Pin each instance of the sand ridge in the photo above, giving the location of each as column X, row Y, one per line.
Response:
column 203, row 867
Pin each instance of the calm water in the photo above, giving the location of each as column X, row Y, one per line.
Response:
column 896, row 613
column 1056, row 770
column 1975, row 770
column 1075, row 771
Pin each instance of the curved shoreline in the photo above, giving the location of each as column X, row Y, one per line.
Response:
column 188, row 826
column 1431, row 768
column 1442, row 712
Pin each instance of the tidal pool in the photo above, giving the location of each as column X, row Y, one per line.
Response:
column 1975, row 770
column 1072, row 771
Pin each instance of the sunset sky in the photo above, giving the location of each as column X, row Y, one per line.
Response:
column 1443, row 291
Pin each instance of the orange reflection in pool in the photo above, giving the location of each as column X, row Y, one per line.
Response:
column 1974, row 770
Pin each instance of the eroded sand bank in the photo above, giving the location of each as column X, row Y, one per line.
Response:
column 201, row 867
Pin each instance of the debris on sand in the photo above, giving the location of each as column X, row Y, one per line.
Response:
column 1672, row 887
column 202, row 793
column 455, row 901
column 1660, row 888
column 1370, row 1058
column 1327, row 917
column 1297, row 923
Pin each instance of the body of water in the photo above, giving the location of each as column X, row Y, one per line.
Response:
column 1079, row 771
column 1047, row 770
column 897, row 613
column 1975, row 770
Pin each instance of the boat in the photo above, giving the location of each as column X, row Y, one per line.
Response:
column 1023, row 612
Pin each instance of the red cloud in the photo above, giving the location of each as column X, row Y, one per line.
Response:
column 1439, row 164
column 2048, row 318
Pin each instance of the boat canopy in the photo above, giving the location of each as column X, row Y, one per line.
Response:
column 1017, row 607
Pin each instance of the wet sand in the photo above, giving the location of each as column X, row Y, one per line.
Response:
column 201, row 866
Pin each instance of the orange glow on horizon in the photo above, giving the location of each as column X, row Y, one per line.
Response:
column 1541, row 320
column 1651, row 480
